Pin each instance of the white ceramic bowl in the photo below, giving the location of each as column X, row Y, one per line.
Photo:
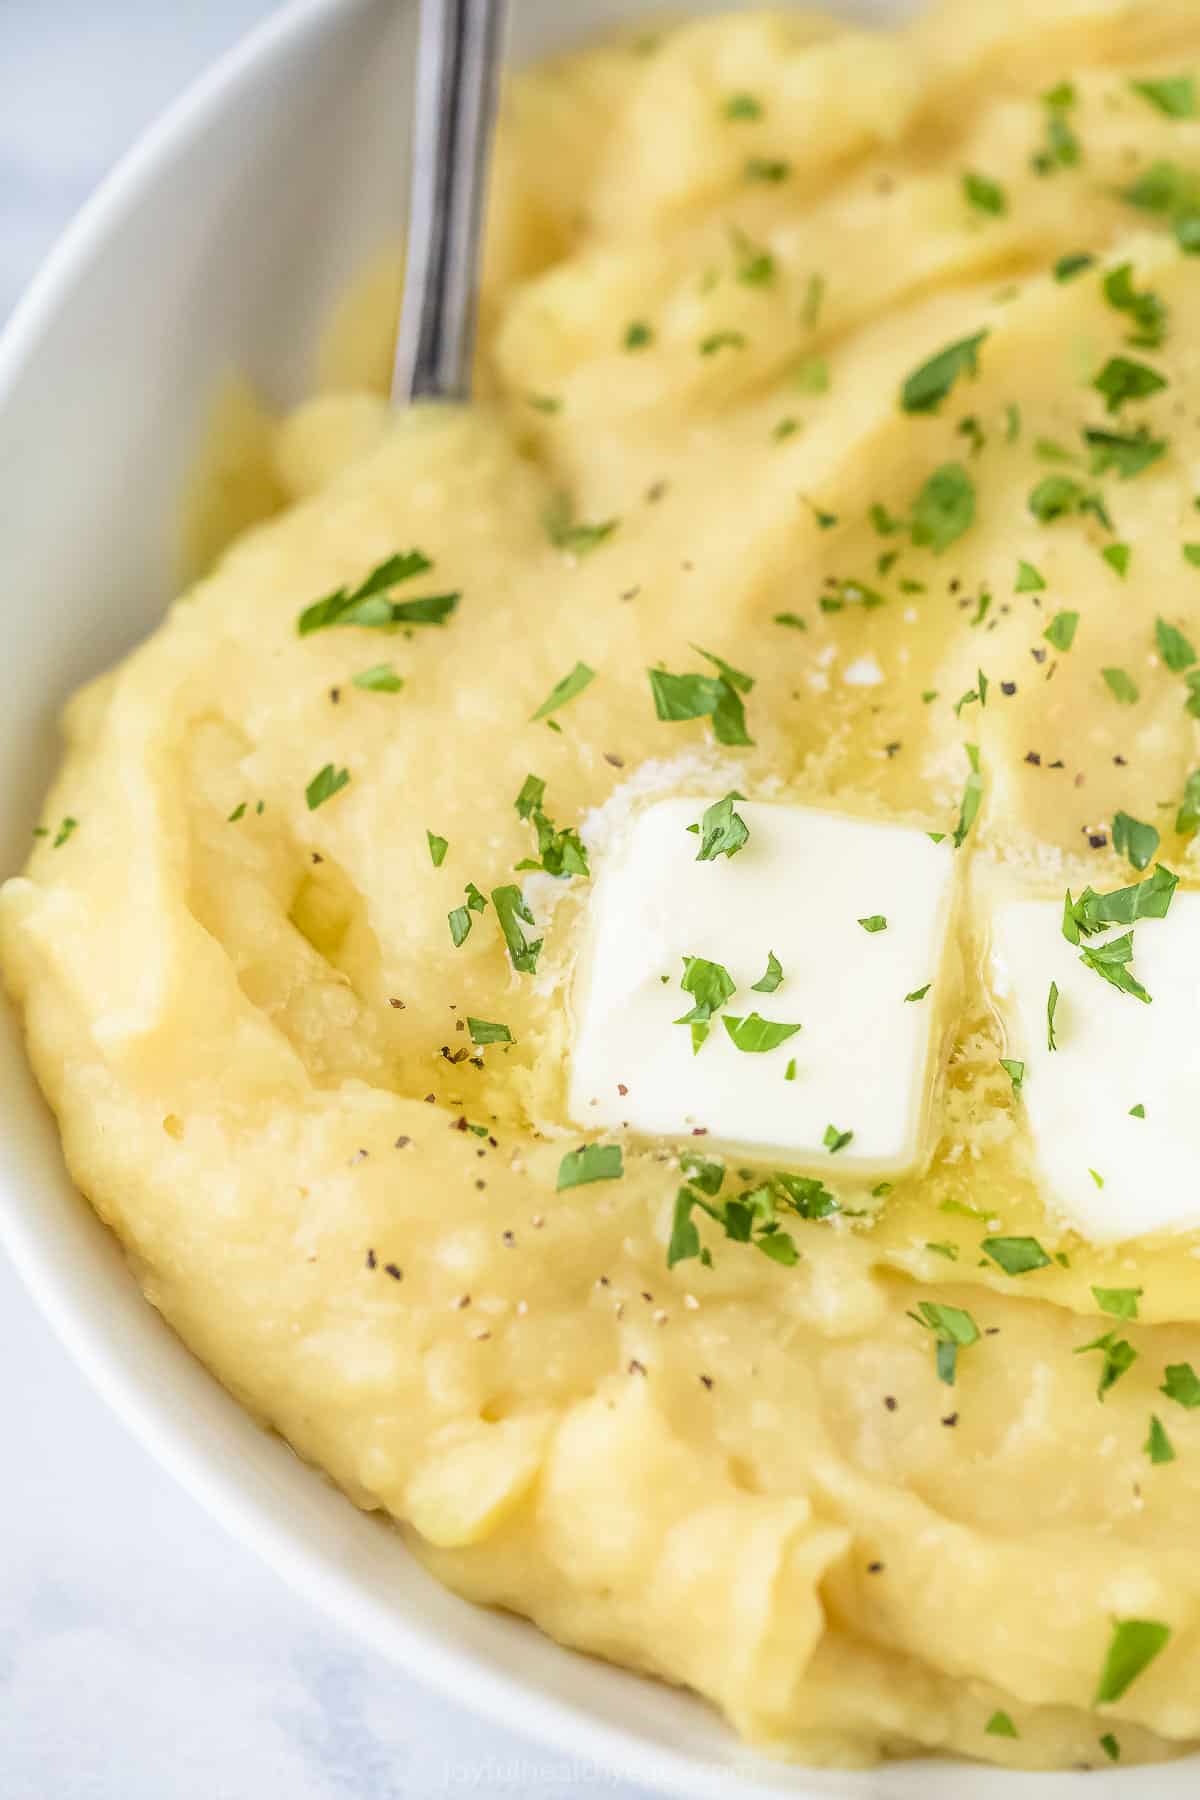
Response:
column 220, row 243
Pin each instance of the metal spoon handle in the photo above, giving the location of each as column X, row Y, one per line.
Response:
column 458, row 64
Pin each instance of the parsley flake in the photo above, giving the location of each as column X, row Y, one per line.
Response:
column 1133, row 1647
column 638, row 334
column 918, row 993
column 874, row 922
column 513, row 915
column 324, row 785
column 756, row 1035
column 1147, row 312
column 1000, row 1725
column 1175, row 650
column 1051, row 1010
column 1134, row 840
column 487, row 1031
column 742, row 106
column 972, row 797
column 1122, row 379
column 722, row 831
column 380, row 679
column 767, row 984
column 1117, row 557
column 835, row 1140
column 1119, row 1303
column 717, row 697
column 928, row 385
column 1029, row 580
column 1061, row 630
column 1158, row 1446
column 571, row 685
column 1015, row 1255
column 1121, row 686
column 591, row 1162
column 1015, row 1070
column 1182, row 1384
column 438, row 847
column 1174, row 95
column 985, row 195
column 567, row 533
column 1127, row 453
column 953, row 1328
column 944, row 508
column 368, row 605
column 1118, row 1357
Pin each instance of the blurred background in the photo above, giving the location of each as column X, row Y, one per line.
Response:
column 144, row 1655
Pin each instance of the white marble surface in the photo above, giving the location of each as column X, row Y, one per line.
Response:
column 143, row 1655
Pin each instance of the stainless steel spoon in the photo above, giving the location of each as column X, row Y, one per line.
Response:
column 458, row 66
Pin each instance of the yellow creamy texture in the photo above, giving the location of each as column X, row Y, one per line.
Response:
column 746, row 1477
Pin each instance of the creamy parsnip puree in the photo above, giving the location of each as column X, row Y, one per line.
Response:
column 625, row 964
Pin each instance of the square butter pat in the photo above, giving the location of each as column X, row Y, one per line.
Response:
column 798, row 888
column 1114, row 1052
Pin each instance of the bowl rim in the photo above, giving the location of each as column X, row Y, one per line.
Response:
column 458, row 1672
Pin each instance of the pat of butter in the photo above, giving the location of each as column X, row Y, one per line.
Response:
column 797, row 888
column 1114, row 1052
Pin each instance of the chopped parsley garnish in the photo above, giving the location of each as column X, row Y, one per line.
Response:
column 928, row 385
column 1051, row 1009
column 755, row 1035
column 976, row 695
column 486, row 1031
column 1110, row 1746
column 567, row 533
column 560, row 850
column 1182, row 1384
column 1133, row 1647
column 710, row 984
column 1118, row 1303
column 718, row 697
column 513, row 914
column 767, row 168
column 944, row 508
column 1117, row 557
column 1015, row 1070
column 1029, row 580
column 972, row 797
column 1134, row 840
column 751, row 1217
column 755, row 265
column 848, row 592
column 368, row 605
column 438, row 847
column 1118, row 1356
column 1067, row 267
column 324, row 785
column 1061, row 630
column 1060, row 149
column 638, row 333
column 985, row 195
column 1057, row 495
column 1164, row 188
column 1138, row 1111
column 239, row 812
column 1191, row 554
column 1122, row 379
column 742, row 106
column 1150, row 899
column 835, row 1140
column 460, row 923
column 1000, row 1725
column 814, row 295
column 381, row 678
column 1126, row 452
column 874, row 922
column 566, row 689
column 772, row 979
column 918, row 993
column 1187, row 819
column 722, row 831
column 1175, row 650
column 591, row 1162
column 1121, row 686
column 953, row 1328
column 1112, row 960
column 1174, row 95
column 1158, row 1446
column 544, row 403
column 1147, row 312
column 722, row 340
column 1015, row 1255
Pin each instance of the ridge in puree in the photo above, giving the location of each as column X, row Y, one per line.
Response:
column 831, row 487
